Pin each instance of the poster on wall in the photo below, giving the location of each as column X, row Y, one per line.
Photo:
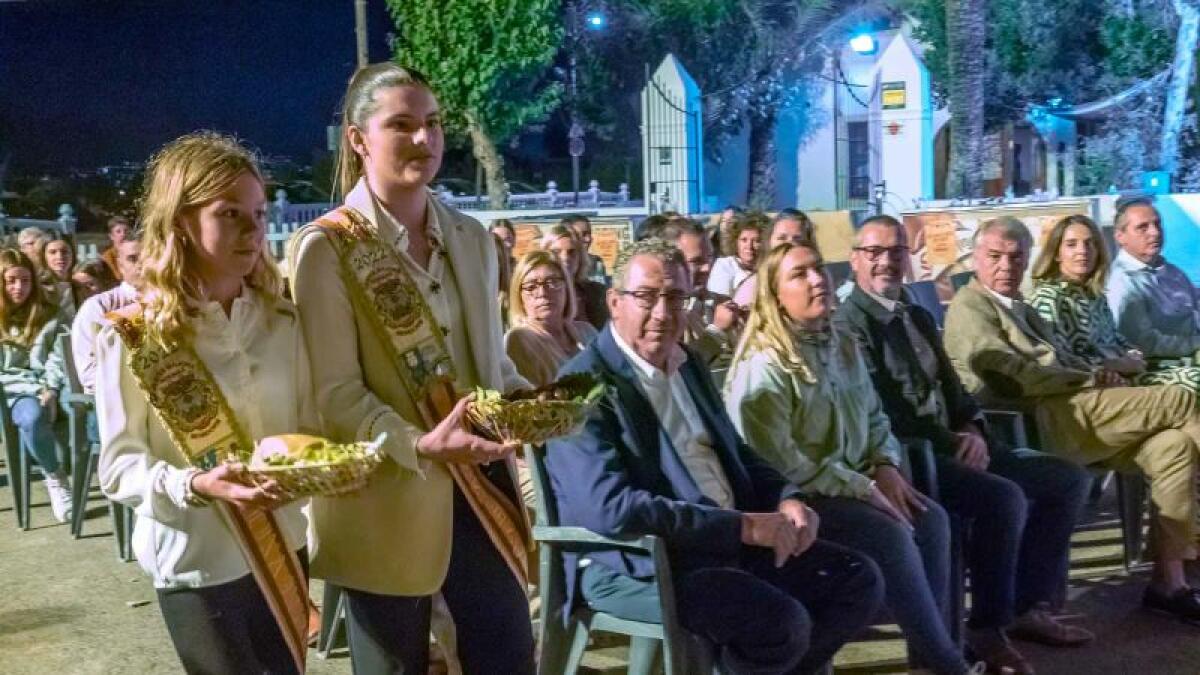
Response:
column 608, row 236
column 941, row 241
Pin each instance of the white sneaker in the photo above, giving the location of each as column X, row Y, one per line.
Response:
column 60, row 496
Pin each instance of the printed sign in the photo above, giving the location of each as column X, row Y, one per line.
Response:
column 893, row 95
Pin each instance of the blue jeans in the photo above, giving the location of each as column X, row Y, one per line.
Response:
column 916, row 571
column 762, row 618
column 36, row 432
column 1013, row 567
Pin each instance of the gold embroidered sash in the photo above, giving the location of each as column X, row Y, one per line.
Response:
column 189, row 403
column 375, row 275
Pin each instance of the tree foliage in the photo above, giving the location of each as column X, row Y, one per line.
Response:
column 489, row 64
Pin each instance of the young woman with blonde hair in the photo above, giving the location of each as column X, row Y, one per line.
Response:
column 399, row 290
column 800, row 395
column 210, row 360
column 32, row 374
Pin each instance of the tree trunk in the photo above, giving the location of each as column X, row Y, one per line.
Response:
column 1181, row 78
column 762, row 159
column 485, row 150
column 966, row 25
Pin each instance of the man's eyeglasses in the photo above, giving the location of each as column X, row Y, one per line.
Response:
column 647, row 299
column 531, row 287
column 877, row 252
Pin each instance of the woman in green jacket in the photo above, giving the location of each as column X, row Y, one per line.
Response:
column 801, row 396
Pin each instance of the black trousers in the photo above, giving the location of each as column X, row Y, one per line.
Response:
column 763, row 619
column 390, row 634
column 227, row 629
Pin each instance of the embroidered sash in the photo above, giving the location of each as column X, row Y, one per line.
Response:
column 375, row 276
column 189, row 403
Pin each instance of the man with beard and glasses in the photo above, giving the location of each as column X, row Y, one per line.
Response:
column 1154, row 303
column 1015, row 570
column 1006, row 354
column 660, row 457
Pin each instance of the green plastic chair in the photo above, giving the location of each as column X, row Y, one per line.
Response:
column 16, row 464
column 563, row 643
column 86, row 456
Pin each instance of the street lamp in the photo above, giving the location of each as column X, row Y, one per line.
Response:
column 863, row 43
column 593, row 20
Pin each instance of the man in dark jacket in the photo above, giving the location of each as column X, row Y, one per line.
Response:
column 1015, row 570
column 660, row 457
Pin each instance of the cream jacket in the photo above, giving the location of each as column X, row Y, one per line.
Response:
column 393, row 537
column 258, row 360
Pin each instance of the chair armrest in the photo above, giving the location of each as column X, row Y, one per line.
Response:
column 1013, row 421
column 78, row 399
column 579, row 536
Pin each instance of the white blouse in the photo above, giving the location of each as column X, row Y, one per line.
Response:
column 726, row 276
column 258, row 358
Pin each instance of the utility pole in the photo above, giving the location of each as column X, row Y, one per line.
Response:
column 360, row 30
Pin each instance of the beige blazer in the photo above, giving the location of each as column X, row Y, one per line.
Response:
column 393, row 537
column 1003, row 355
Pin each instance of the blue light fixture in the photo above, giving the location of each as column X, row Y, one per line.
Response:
column 595, row 20
column 863, row 43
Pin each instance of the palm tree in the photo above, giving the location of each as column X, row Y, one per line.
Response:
column 1181, row 78
column 966, row 26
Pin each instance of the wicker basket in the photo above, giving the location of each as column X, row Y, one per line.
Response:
column 529, row 421
column 327, row 479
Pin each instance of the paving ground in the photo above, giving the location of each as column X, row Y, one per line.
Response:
column 71, row 607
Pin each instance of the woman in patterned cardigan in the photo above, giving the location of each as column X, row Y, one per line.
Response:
column 1069, row 280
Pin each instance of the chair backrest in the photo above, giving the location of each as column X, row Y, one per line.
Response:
column 8, row 430
column 961, row 279
column 838, row 272
column 543, row 493
column 925, row 295
column 62, row 344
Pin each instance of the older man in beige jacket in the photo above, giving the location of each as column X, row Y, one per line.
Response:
column 1005, row 354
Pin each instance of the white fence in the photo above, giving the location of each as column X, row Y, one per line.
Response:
column 284, row 218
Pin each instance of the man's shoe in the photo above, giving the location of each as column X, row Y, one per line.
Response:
column 992, row 647
column 60, row 496
column 1182, row 604
column 1039, row 625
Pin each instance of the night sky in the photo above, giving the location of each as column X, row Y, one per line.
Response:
column 85, row 83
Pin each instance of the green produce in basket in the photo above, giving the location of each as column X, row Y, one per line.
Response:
column 298, row 450
column 533, row 416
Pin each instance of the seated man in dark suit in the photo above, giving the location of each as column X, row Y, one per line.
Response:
column 659, row 456
column 1016, row 569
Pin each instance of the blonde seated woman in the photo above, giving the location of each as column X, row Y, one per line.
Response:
column 544, row 333
column 800, row 394
column 1069, row 281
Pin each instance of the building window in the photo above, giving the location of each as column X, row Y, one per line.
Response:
column 859, row 158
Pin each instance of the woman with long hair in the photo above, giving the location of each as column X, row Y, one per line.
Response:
column 399, row 292
column 800, row 394
column 590, row 305
column 32, row 375
column 92, row 278
column 1069, row 279
column 208, row 361
column 57, row 260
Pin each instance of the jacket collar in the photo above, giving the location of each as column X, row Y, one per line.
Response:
column 875, row 309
